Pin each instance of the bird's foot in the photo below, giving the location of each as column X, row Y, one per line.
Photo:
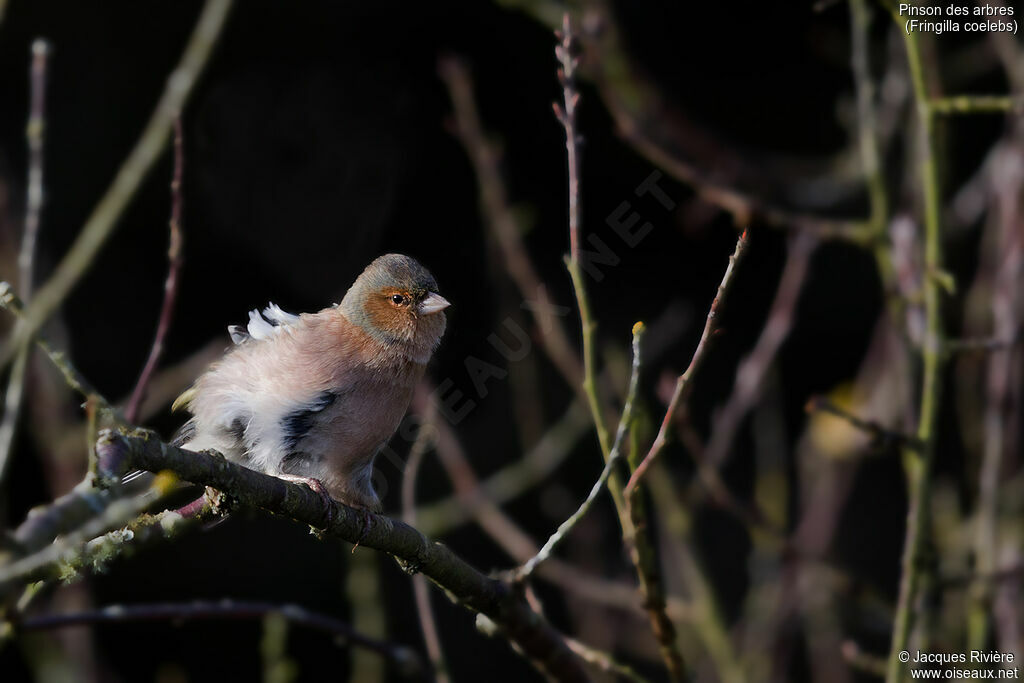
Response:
column 318, row 488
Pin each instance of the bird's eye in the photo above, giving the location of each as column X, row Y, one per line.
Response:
column 397, row 299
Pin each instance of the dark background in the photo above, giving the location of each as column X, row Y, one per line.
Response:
column 317, row 140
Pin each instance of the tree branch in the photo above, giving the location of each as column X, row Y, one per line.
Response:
column 538, row 640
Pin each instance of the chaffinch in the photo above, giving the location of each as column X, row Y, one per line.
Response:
column 314, row 397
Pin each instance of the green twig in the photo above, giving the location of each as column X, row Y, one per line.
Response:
column 976, row 104
column 527, row 569
column 74, row 379
column 636, row 538
column 918, row 463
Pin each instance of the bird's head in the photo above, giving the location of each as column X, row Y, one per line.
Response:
column 395, row 300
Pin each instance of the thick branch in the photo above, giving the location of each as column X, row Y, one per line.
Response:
column 415, row 553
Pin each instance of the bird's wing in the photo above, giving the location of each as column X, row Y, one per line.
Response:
column 263, row 325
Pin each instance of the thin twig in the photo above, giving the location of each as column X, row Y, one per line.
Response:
column 981, row 345
column 406, row 659
column 129, row 178
column 514, row 479
column 636, row 536
column 604, row 661
column 880, row 434
column 428, row 624
column 752, row 369
column 869, row 139
column 625, row 423
column 566, row 113
column 683, row 387
column 479, row 501
column 35, row 134
column 170, row 285
column 1007, row 262
column 652, row 127
column 976, row 104
column 857, row 658
column 502, row 220
column 74, row 379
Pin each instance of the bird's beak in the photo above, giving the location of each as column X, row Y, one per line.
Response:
column 433, row 303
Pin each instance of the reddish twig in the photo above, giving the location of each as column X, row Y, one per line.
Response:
column 170, row 284
column 421, row 592
column 752, row 369
column 485, row 156
column 636, row 533
column 35, row 136
column 683, row 384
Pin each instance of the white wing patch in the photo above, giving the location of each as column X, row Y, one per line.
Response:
column 263, row 326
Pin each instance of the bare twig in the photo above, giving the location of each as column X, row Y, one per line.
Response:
column 635, row 536
column 170, row 285
column 129, row 178
column 1007, row 262
column 513, row 480
column 566, row 113
column 976, row 104
column 855, row 656
column 880, row 434
column 485, row 156
column 625, row 422
column 683, row 385
column 428, row 624
column 983, row 344
column 673, row 141
column 479, row 501
column 603, row 661
column 752, row 369
column 35, row 134
column 407, row 660
column 74, row 379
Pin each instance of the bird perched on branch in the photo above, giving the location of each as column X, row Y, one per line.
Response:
column 314, row 397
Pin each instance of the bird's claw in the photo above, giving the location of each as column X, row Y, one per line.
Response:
column 317, row 487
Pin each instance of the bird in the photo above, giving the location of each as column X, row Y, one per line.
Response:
column 313, row 398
